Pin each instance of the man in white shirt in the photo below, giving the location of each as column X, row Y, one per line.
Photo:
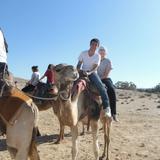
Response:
column 89, row 61
column 3, row 54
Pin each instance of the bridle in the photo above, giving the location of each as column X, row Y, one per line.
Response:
column 5, row 82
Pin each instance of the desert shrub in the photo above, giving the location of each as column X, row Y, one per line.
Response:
column 157, row 88
column 125, row 85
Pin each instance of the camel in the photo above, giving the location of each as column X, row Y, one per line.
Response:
column 19, row 115
column 74, row 109
column 44, row 100
column 71, row 107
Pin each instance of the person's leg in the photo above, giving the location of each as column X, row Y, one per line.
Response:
column 94, row 78
column 28, row 88
column 3, row 69
column 112, row 96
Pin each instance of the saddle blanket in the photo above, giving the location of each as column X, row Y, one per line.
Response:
column 9, row 105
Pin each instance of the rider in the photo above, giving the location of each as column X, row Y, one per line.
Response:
column 103, row 71
column 50, row 74
column 89, row 61
column 3, row 54
column 33, row 81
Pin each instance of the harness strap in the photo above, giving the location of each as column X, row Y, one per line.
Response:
column 42, row 98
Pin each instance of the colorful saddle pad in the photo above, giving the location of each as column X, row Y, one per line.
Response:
column 9, row 105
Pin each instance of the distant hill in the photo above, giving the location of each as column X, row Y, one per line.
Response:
column 20, row 82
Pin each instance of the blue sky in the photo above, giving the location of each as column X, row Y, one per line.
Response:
column 40, row 32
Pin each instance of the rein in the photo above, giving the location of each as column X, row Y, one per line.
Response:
column 42, row 98
column 6, row 82
column 50, row 99
column 2, row 89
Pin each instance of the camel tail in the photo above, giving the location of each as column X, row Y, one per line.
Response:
column 33, row 152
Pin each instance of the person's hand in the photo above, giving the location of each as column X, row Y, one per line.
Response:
column 89, row 73
column 85, row 74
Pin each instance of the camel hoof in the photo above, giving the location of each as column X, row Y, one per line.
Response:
column 57, row 142
column 103, row 157
column 81, row 134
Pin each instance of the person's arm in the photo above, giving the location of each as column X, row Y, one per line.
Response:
column 95, row 65
column 79, row 65
column 6, row 45
column 45, row 74
column 42, row 77
column 94, row 68
column 107, row 70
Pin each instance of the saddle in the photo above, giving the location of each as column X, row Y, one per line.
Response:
column 83, row 83
column 43, row 90
column 11, row 103
column 92, row 103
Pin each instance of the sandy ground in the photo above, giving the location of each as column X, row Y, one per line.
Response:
column 135, row 137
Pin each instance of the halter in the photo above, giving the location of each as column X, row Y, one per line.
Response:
column 6, row 81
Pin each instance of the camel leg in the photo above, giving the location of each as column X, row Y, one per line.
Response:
column 74, row 131
column 83, row 130
column 19, row 135
column 94, row 127
column 33, row 153
column 106, row 128
column 22, row 154
column 61, row 134
column 18, row 144
column 12, row 152
column 38, row 132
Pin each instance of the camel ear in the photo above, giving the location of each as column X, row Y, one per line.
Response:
column 59, row 67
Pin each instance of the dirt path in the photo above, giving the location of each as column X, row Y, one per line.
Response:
column 135, row 137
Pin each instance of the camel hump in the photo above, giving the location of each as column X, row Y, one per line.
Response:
column 9, row 105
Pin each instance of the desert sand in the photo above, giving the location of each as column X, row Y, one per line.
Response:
column 135, row 137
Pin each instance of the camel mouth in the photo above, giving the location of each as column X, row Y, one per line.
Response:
column 74, row 77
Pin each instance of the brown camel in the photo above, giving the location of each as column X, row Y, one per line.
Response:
column 19, row 115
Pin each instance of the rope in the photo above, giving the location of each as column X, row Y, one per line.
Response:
column 49, row 99
column 42, row 98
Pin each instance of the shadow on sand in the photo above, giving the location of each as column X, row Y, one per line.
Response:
column 49, row 138
column 40, row 140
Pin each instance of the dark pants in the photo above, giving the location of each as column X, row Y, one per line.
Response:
column 94, row 78
column 3, row 69
column 111, row 94
column 28, row 88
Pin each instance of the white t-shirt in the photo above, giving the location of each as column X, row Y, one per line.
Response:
column 3, row 54
column 35, row 78
column 89, row 61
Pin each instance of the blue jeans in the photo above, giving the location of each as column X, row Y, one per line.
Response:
column 96, row 81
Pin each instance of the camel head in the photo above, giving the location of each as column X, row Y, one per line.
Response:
column 66, row 73
column 65, row 76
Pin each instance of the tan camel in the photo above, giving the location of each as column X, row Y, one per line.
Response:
column 71, row 107
column 20, row 115
column 43, row 101
column 76, row 108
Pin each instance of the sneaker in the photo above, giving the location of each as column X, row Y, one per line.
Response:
column 107, row 112
column 115, row 118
